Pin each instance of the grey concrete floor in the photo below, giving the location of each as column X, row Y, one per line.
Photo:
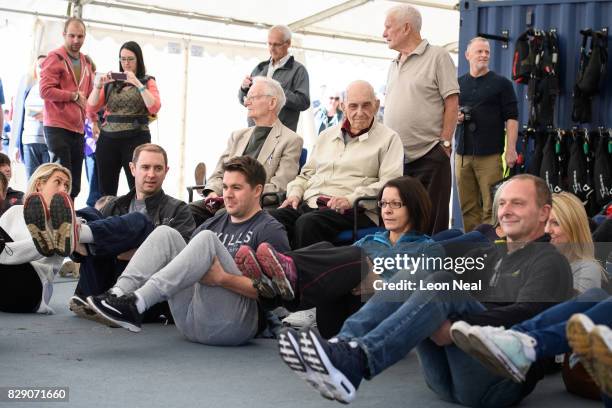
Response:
column 106, row 367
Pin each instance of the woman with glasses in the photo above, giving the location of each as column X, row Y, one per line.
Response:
column 28, row 140
column 129, row 101
column 337, row 280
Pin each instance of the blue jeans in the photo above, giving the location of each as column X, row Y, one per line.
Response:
column 92, row 177
column 112, row 236
column 447, row 234
column 548, row 328
column 34, row 154
column 456, row 243
column 388, row 331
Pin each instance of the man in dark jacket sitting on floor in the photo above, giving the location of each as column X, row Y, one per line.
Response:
column 517, row 280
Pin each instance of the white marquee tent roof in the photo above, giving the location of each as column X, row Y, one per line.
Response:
column 324, row 23
column 199, row 52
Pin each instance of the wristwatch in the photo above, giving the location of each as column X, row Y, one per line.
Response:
column 446, row 144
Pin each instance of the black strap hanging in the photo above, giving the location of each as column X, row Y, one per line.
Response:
column 591, row 71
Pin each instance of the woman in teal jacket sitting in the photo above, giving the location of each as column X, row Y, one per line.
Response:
column 338, row 280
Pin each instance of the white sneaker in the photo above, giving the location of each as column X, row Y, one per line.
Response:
column 601, row 353
column 302, row 319
column 506, row 352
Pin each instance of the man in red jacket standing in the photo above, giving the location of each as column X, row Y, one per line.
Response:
column 66, row 79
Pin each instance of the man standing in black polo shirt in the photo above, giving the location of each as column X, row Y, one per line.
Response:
column 487, row 107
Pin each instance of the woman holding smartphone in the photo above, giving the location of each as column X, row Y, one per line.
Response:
column 129, row 98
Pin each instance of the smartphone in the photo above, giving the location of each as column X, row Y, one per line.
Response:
column 118, row 76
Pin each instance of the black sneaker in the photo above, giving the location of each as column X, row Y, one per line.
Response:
column 120, row 310
column 81, row 308
column 289, row 350
column 340, row 365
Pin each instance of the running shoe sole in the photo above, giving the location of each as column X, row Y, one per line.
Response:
column 35, row 214
column 577, row 330
column 289, row 350
column 460, row 332
column 334, row 380
column 247, row 264
column 266, row 255
column 82, row 309
column 64, row 224
column 492, row 357
column 601, row 351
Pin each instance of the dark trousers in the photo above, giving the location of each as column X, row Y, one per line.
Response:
column 113, row 154
column 326, row 276
column 306, row 226
column 200, row 212
column 66, row 148
column 34, row 154
column 21, row 290
column 92, row 177
column 112, row 236
column 434, row 172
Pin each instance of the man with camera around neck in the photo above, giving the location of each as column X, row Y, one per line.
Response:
column 488, row 106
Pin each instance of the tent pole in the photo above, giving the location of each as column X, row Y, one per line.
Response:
column 183, row 141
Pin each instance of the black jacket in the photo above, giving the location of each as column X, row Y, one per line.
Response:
column 163, row 210
column 520, row 285
column 13, row 197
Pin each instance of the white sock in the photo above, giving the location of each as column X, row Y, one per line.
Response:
column 116, row 291
column 140, row 303
column 85, row 234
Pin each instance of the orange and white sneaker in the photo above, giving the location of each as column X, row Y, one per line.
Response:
column 36, row 216
column 577, row 332
column 601, row 357
column 64, row 225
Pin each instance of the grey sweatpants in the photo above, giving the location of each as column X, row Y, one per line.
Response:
column 165, row 268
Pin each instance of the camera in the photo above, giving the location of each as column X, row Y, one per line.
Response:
column 467, row 112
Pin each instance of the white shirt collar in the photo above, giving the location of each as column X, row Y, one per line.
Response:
column 282, row 61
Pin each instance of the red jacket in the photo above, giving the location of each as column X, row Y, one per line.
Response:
column 57, row 87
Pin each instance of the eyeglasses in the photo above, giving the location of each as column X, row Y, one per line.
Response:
column 127, row 59
column 276, row 45
column 334, row 98
column 392, row 204
column 250, row 98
